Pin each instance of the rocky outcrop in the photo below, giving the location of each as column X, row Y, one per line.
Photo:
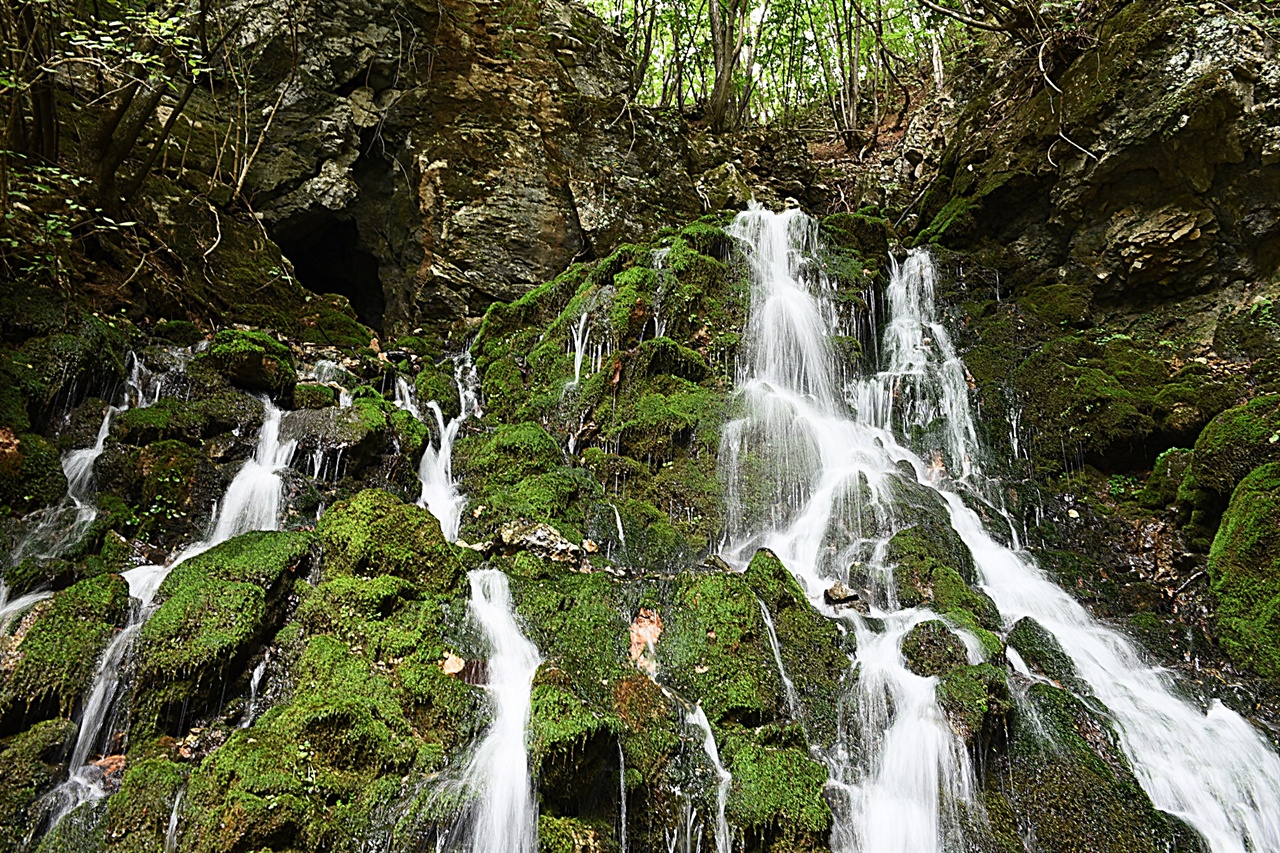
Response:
column 429, row 160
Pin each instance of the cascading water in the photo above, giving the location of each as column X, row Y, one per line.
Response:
column 252, row 502
column 833, row 504
column 440, row 493
column 838, row 464
column 581, row 337
column 500, row 815
column 698, row 718
column 64, row 524
column 788, row 686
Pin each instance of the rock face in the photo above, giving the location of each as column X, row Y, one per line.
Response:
column 432, row 159
column 1155, row 172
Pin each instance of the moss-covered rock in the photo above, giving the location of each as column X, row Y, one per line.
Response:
column 312, row 396
column 777, row 787
column 931, row 649
column 139, row 812
column 30, row 471
column 32, row 762
column 50, row 659
column 1041, row 651
column 376, row 533
column 1244, row 572
column 252, row 360
column 215, row 608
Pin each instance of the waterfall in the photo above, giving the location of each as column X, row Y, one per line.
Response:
column 171, row 831
column 698, row 718
column 9, row 610
column 252, row 502
column 834, row 472
column 440, row 493
column 837, row 462
column 255, row 682
column 501, row 816
column 65, row 524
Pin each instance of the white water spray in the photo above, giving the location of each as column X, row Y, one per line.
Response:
column 440, row 493
column 501, row 816
column 837, row 465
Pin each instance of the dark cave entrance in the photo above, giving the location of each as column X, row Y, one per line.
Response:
column 328, row 258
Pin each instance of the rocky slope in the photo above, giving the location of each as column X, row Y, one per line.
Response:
column 308, row 688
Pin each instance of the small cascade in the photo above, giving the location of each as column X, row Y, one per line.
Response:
column 581, row 337
column 64, row 524
column 838, row 463
column 252, row 502
column 659, row 264
column 440, row 493
column 255, row 682
column 171, row 831
column 330, row 373
column 405, row 398
column 698, row 719
column 501, row 815
column 10, row 610
column 788, row 687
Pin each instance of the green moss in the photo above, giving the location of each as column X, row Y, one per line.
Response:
column 32, row 767
column 931, row 649
column 977, row 702
column 171, row 503
column 1058, row 304
column 955, row 216
column 376, row 533
column 569, row 835
column 30, row 472
column 310, row 396
column 1244, row 572
column 713, row 648
column 53, row 660
column 776, row 785
column 215, row 608
column 184, row 333
column 813, row 651
column 1233, row 444
column 141, row 808
column 1161, row 488
column 251, row 359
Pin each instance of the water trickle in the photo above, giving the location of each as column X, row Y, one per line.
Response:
column 789, row 688
column 440, row 493
column 10, row 610
column 255, row 682
column 581, row 337
column 698, row 718
column 171, row 832
column 838, row 464
column 501, row 816
column 252, row 502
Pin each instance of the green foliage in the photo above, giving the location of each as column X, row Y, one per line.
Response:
column 32, row 767
column 30, row 472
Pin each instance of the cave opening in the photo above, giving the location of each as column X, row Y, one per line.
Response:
column 327, row 258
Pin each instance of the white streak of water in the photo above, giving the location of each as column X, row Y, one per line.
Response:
column 440, row 493
column 501, row 816
column 698, row 718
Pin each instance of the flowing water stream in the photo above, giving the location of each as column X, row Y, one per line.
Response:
column 252, row 502
column 500, row 815
column 899, row 777
column 440, row 494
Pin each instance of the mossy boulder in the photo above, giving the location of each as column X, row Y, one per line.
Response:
column 139, row 812
column 1233, row 444
column 376, row 533
column 312, row 396
column 32, row 762
column 1167, row 474
column 814, row 652
column 977, row 703
column 930, row 648
column 253, row 360
column 1041, row 652
column 215, row 608
column 1244, row 572
column 50, row 659
column 1067, row 779
column 777, row 787
column 177, row 483
column 30, row 471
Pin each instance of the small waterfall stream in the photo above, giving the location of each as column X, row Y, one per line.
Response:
column 252, row 502
column 838, row 464
column 698, row 719
column 501, row 816
column 440, row 493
